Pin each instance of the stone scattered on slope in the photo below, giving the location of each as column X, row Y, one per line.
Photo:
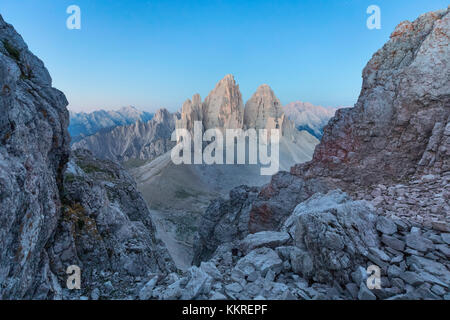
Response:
column 105, row 228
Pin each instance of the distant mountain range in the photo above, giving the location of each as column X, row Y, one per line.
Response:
column 141, row 140
column 309, row 117
column 85, row 124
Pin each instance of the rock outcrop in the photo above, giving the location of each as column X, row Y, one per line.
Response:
column 398, row 126
column 90, row 215
column 105, row 229
column 323, row 251
column 396, row 129
column 224, row 221
column 34, row 149
column 223, row 107
column 139, row 141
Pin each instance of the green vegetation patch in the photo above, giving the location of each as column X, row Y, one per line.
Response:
column 13, row 52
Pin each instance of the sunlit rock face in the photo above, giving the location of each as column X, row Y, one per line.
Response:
column 264, row 111
column 400, row 124
column 223, row 107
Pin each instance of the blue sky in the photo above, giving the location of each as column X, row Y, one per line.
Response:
column 155, row 54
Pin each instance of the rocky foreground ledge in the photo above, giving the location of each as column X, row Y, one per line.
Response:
column 322, row 251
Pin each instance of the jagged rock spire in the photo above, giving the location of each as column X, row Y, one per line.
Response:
column 223, row 107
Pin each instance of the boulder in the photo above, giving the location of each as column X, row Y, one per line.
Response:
column 336, row 237
column 262, row 260
column 269, row 239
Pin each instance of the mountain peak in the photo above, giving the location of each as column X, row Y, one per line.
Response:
column 162, row 114
column 228, row 78
column 264, row 87
column 263, row 110
column 223, row 107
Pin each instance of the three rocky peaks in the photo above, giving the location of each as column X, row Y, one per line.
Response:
column 223, row 108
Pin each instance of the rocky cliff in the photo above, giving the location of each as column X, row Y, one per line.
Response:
column 399, row 126
column 105, row 229
column 90, row 215
column 223, row 107
column 264, row 111
column 34, row 149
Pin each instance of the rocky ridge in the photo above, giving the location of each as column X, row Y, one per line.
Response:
column 139, row 142
column 399, row 125
column 85, row 124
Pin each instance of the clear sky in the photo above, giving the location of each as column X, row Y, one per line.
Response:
column 155, row 54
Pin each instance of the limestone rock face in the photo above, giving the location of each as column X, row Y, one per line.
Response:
column 334, row 233
column 223, row 107
column 105, row 227
column 90, row 215
column 398, row 126
column 224, row 221
column 34, row 148
column 263, row 110
column 190, row 112
column 140, row 140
